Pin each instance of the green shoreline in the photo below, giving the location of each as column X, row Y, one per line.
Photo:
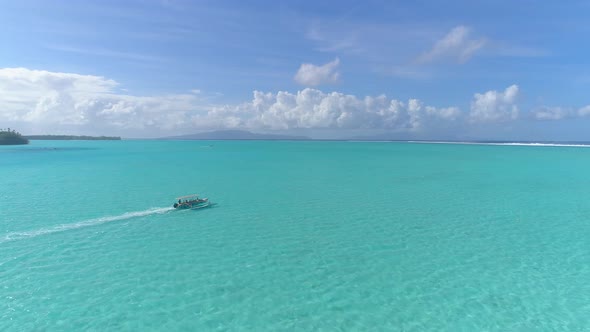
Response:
column 12, row 137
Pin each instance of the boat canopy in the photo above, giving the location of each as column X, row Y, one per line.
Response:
column 188, row 196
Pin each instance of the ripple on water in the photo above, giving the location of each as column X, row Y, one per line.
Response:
column 404, row 239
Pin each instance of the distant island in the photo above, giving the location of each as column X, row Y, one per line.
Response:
column 72, row 137
column 12, row 137
column 235, row 135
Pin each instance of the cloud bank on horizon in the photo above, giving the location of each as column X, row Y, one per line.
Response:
column 48, row 101
column 153, row 68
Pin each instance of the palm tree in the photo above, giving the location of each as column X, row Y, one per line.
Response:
column 11, row 137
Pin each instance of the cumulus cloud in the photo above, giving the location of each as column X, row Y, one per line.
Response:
column 494, row 106
column 551, row 113
column 456, row 44
column 314, row 109
column 312, row 75
column 52, row 99
column 53, row 102
column 49, row 101
column 559, row 112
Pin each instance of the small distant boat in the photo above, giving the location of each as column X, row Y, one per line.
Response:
column 191, row 202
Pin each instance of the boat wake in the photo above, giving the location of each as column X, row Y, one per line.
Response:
column 15, row 236
column 575, row 145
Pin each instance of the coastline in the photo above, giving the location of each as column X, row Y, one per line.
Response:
column 496, row 143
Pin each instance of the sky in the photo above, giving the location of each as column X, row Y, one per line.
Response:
column 462, row 70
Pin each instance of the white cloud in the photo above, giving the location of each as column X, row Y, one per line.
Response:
column 312, row 75
column 551, row 113
column 456, row 44
column 494, row 106
column 448, row 113
column 314, row 109
column 48, row 100
column 559, row 113
column 52, row 102
column 584, row 111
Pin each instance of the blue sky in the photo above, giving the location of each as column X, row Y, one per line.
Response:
column 318, row 67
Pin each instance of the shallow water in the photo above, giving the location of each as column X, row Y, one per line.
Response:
column 304, row 236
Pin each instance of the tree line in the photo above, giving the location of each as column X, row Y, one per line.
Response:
column 12, row 137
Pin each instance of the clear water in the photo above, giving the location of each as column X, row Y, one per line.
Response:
column 305, row 236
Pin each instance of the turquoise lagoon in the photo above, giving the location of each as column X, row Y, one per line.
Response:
column 305, row 236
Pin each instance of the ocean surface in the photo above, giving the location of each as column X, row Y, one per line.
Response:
column 304, row 236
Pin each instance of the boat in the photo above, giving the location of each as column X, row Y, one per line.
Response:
column 191, row 202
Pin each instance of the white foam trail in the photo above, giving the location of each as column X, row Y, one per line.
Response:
column 14, row 236
column 544, row 144
column 507, row 143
